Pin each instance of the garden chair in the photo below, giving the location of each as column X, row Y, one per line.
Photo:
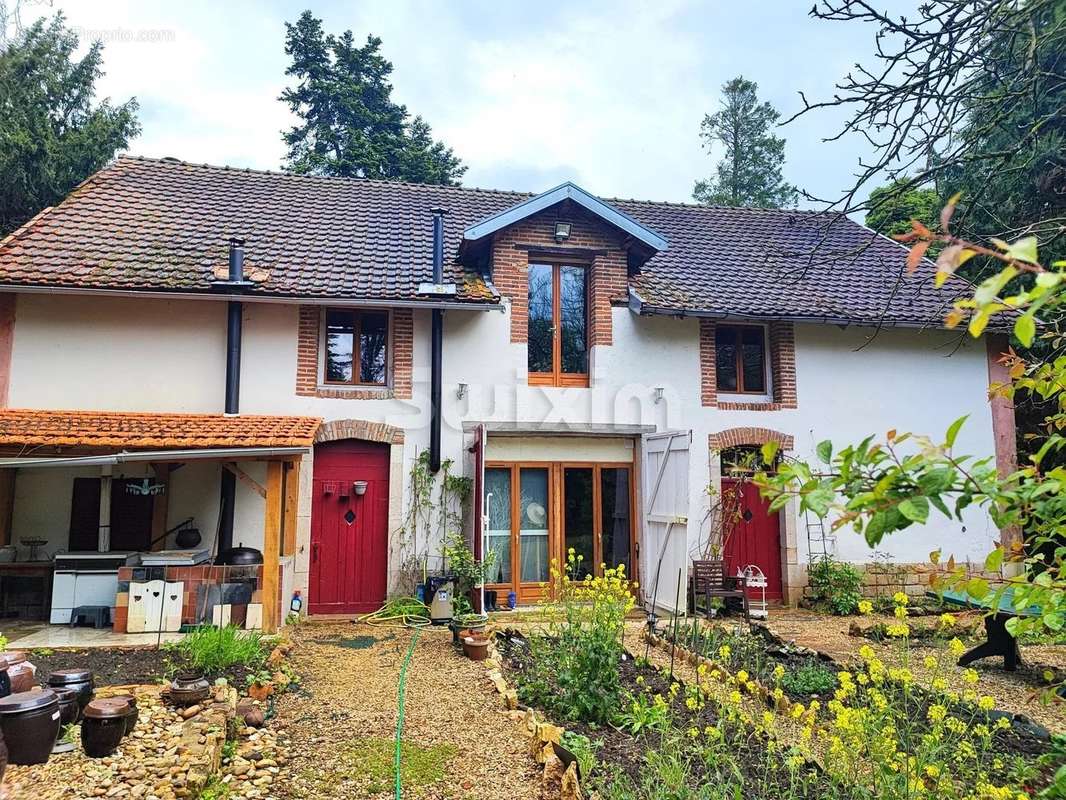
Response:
column 711, row 579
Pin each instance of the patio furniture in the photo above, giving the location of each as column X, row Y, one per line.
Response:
column 998, row 641
column 100, row 616
column 711, row 579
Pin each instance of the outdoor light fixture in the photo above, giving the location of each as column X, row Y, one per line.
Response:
column 460, row 393
column 658, row 393
column 562, row 231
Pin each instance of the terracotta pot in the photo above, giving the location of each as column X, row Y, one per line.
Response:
column 30, row 722
column 473, row 633
column 80, row 680
column 476, row 649
column 20, row 671
column 103, row 727
column 69, row 707
column 129, row 703
column 189, row 688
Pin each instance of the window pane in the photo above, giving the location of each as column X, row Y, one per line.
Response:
column 614, row 516
column 540, row 318
column 572, row 308
column 498, row 535
column 340, row 341
column 754, row 359
column 373, row 343
column 725, row 359
column 533, row 545
column 577, row 518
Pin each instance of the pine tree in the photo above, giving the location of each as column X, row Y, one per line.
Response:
column 749, row 173
column 349, row 124
column 52, row 136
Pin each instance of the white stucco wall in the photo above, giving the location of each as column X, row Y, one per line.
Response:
column 132, row 354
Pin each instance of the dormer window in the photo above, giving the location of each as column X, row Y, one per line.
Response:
column 558, row 325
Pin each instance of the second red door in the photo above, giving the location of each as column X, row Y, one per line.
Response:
column 756, row 538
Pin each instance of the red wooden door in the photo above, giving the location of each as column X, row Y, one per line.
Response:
column 349, row 532
column 755, row 539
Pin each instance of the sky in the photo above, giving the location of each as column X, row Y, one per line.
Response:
column 607, row 94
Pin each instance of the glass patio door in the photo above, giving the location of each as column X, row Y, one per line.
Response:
column 597, row 517
column 518, row 506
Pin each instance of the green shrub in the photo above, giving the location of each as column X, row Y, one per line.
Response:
column 811, row 678
column 214, row 650
column 574, row 670
column 835, row 585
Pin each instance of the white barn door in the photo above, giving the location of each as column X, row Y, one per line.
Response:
column 665, row 495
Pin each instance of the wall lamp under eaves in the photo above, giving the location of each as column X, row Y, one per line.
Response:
column 658, row 390
column 562, row 231
column 460, row 393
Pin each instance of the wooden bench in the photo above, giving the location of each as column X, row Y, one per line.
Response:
column 998, row 641
column 710, row 579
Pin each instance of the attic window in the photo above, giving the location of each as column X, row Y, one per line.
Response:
column 356, row 351
column 740, row 358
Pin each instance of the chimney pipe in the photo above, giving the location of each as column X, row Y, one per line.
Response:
column 234, row 315
column 436, row 344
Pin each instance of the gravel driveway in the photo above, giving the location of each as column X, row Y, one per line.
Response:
column 459, row 742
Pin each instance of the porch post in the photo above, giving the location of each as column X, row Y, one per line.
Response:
column 7, row 504
column 160, row 504
column 275, row 500
column 291, row 504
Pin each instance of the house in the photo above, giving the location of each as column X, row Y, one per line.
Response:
column 270, row 359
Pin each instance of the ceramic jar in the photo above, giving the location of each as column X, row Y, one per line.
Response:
column 69, row 708
column 189, row 688
column 80, row 680
column 130, row 703
column 20, row 672
column 30, row 722
column 102, row 727
column 5, row 681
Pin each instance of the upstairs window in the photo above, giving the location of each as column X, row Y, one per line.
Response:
column 558, row 325
column 740, row 359
column 357, row 344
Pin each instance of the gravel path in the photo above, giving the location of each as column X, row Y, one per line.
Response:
column 463, row 745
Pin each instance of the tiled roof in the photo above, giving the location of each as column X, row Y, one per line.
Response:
column 164, row 224
column 129, row 430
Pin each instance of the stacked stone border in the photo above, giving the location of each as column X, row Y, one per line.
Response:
column 556, row 780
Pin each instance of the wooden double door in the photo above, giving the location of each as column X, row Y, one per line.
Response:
column 537, row 511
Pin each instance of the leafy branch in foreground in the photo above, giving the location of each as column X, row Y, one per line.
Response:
column 881, row 487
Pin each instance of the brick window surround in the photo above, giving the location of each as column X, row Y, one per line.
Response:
column 740, row 437
column 309, row 363
column 591, row 243
column 781, row 343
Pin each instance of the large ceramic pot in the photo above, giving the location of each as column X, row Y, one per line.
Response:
column 130, row 703
column 20, row 672
column 30, row 723
column 103, row 727
column 80, row 680
column 69, row 707
column 189, row 688
column 3, row 758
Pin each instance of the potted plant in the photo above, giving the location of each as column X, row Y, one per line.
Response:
column 469, row 573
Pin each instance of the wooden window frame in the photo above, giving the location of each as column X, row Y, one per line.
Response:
column 532, row 591
column 738, row 365
column 557, row 377
column 357, row 355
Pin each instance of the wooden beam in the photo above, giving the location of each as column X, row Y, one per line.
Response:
column 245, row 478
column 275, row 498
column 160, row 504
column 292, row 504
column 7, row 504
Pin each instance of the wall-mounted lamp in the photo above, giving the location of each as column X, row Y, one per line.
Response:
column 562, row 231
column 658, row 390
column 460, row 393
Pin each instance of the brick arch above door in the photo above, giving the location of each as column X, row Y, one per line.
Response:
column 739, row 437
column 358, row 429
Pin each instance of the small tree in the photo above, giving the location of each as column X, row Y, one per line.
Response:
column 52, row 135
column 749, row 173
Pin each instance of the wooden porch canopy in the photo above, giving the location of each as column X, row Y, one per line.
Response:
column 32, row 438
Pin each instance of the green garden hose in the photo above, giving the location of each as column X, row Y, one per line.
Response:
column 401, row 690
